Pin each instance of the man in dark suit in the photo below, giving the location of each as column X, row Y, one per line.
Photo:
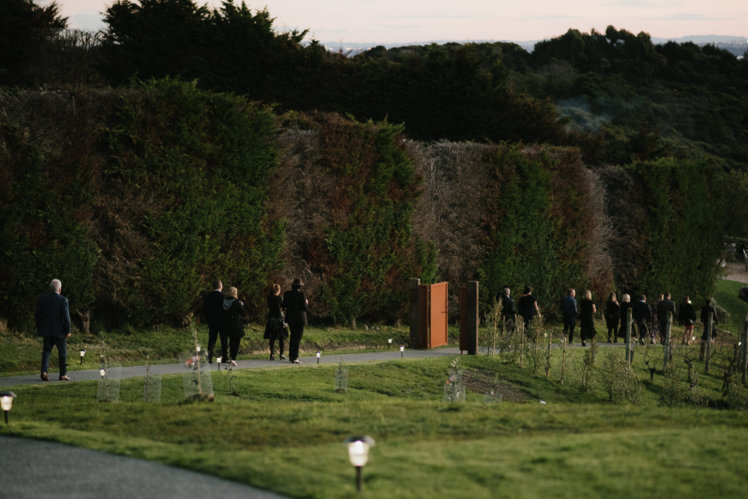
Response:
column 642, row 316
column 295, row 303
column 508, row 310
column 570, row 313
column 52, row 319
column 212, row 313
column 664, row 306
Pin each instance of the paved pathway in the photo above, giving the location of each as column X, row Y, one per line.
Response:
column 33, row 469
column 134, row 371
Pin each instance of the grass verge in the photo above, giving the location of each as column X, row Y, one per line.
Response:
column 283, row 430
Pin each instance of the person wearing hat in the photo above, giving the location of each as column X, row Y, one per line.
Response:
column 295, row 304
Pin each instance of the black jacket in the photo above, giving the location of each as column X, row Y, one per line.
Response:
column 213, row 308
column 233, row 318
column 294, row 302
column 52, row 316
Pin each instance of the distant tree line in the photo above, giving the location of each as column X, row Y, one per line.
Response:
column 616, row 95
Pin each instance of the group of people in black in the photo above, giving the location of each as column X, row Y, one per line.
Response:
column 226, row 316
column 648, row 321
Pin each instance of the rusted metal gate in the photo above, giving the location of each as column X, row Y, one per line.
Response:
column 432, row 307
column 469, row 319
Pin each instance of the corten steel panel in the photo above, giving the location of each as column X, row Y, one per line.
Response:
column 463, row 318
column 438, row 322
column 424, row 301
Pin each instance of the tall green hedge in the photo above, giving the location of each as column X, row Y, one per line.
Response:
column 369, row 250
column 139, row 210
column 45, row 231
column 670, row 217
column 538, row 224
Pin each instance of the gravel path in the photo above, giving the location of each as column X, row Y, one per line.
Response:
column 736, row 272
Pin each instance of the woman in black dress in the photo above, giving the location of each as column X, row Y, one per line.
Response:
column 612, row 316
column 275, row 328
column 587, row 317
column 232, row 324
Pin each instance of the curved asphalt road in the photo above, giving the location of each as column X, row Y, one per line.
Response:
column 33, row 469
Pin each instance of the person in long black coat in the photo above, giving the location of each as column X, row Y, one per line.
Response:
column 295, row 304
column 587, row 311
column 707, row 311
column 232, row 324
column 212, row 314
column 528, row 306
column 642, row 319
column 612, row 316
column 275, row 329
column 625, row 306
column 508, row 311
column 664, row 307
column 52, row 317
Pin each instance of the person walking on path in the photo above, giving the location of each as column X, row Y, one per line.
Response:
column 687, row 317
column 569, row 312
column 52, row 318
column 612, row 316
column 508, row 311
column 664, row 306
column 642, row 317
column 295, row 304
column 528, row 306
column 587, row 311
column 232, row 324
column 275, row 329
column 212, row 313
column 625, row 306
column 706, row 310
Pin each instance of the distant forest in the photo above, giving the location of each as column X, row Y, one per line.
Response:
column 615, row 95
column 202, row 141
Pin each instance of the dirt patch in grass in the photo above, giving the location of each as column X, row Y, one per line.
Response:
column 483, row 381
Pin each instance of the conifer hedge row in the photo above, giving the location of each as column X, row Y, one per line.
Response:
column 135, row 198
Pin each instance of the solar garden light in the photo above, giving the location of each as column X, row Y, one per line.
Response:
column 402, row 351
column 358, row 454
column 389, row 343
column 6, row 402
column 83, row 352
column 102, row 372
column 318, row 355
column 219, row 360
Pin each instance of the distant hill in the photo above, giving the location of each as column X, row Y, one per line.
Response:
column 736, row 45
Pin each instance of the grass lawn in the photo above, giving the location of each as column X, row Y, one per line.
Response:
column 726, row 296
column 283, row 430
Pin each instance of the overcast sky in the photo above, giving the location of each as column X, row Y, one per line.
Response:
column 404, row 21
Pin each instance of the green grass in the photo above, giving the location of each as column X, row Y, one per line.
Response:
column 284, row 431
column 726, row 295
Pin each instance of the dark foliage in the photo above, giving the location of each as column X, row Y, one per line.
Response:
column 26, row 33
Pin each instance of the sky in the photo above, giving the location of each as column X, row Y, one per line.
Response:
column 423, row 21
